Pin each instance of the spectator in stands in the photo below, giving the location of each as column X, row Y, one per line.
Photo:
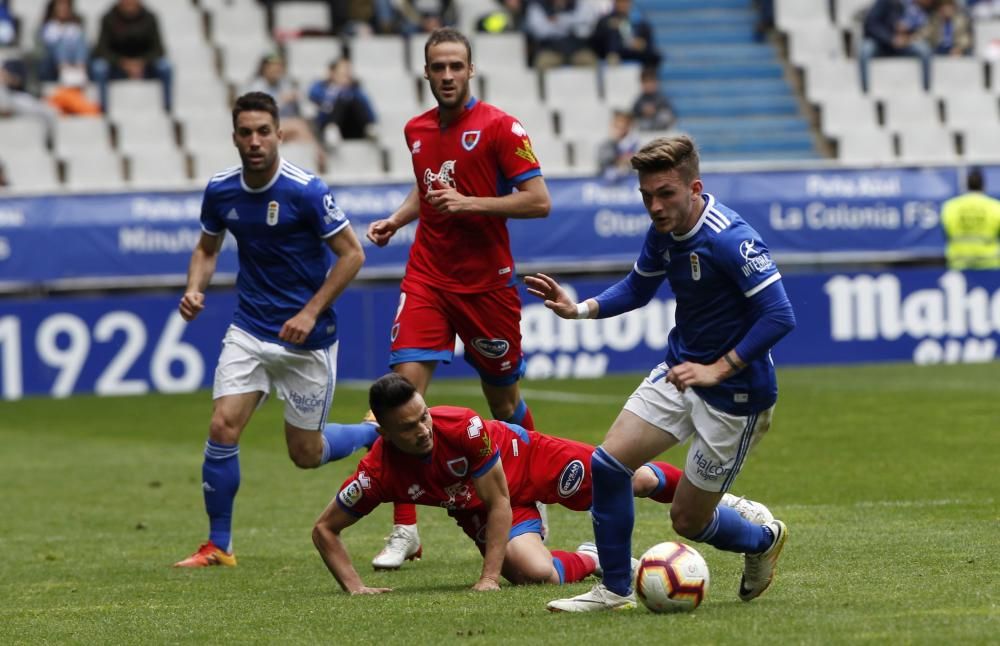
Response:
column 624, row 34
column 63, row 44
column 3, row 176
column 652, row 110
column 614, row 153
column 8, row 26
column 362, row 17
column 983, row 9
column 130, row 47
column 559, row 33
column 272, row 79
column 15, row 100
column 891, row 28
column 424, row 16
column 948, row 30
column 972, row 227
column 343, row 103
column 507, row 17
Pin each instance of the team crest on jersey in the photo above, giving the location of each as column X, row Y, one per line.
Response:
column 695, row 267
column 571, row 478
column 459, row 466
column 272, row 213
column 351, row 494
column 445, row 175
column 491, row 348
column 470, row 138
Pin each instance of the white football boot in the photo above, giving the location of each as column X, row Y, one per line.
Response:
column 599, row 598
column 758, row 569
column 755, row 512
column 403, row 544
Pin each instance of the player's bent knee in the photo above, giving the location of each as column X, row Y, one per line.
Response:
column 221, row 431
column 686, row 523
column 303, row 458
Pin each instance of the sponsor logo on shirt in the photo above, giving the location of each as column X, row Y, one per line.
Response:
column 470, row 138
column 444, row 177
column 491, row 348
column 518, row 129
column 415, row 491
column 695, row 267
column 351, row 494
column 333, row 212
column 756, row 261
column 416, row 147
column 365, row 481
column 272, row 213
column 487, row 447
column 475, row 427
column 459, row 467
column 525, row 152
column 571, row 478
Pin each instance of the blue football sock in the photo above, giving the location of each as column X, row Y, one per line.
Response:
column 341, row 440
column 730, row 532
column 614, row 516
column 220, row 475
column 518, row 415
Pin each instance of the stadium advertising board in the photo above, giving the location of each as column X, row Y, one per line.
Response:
column 806, row 216
column 124, row 345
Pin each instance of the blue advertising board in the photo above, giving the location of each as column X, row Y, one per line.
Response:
column 808, row 216
column 131, row 344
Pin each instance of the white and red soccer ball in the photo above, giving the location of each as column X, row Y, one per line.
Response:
column 672, row 577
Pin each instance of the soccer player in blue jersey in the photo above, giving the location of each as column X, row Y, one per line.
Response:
column 716, row 386
column 284, row 330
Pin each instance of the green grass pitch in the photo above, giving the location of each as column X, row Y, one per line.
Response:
column 886, row 476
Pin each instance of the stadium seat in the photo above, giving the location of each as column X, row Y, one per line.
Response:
column 584, row 152
column 956, row 75
column 831, row 78
column 203, row 131
column 23, row 133
column 926, row 146
column 131, row 97
column 138, row 132
column 507, row 85
column 162, row 169
column 241, row 60
column 860, row 147
column 620, row 85
column 354, row 160
column 815, row 42
column 553, row 154
column 584, row 120
column 374, row 55
column 309, row 58
column 911, row 112
column 89, row 134
column 988, row 40
column 535, row 117
column 889, row 77
column 570, row 87
column 241, row 21
column 791, row 16
column 970, row 111
column 209, row 161
column 302, row 154
column 469, row 11
column 848, row 13
column 492, row 52
column 839, row 115
column 293, row 17
column 199, row 98
column 400, row 162
column 392, row 89
column 981, row 145
column 30, row 169
column 93, row 170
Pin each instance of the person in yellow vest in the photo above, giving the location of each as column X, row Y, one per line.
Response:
column 971, row 224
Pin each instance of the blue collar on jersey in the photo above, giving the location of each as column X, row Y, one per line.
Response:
column 468, row 106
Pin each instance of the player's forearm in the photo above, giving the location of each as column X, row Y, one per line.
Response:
column 201, row 269
column 337, row 560
column 347, row 267
column 521, row 205
column 498, row 521
column 408, row 211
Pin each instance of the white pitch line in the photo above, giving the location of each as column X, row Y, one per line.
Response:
column 529, row 393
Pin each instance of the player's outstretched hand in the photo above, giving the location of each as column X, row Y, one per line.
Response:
column 297, row 329
column 192, row 303
column 693, row 374
column 486, row 583
column 380, row 231
column 555, row 297
column 366, row 590
column 447, row 200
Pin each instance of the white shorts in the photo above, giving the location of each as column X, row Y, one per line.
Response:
column 304, row 379
column 720, row 442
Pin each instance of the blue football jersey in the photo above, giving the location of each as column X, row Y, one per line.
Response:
column 714, row 271
column 281, row 232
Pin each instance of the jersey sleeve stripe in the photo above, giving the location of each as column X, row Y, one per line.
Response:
column 292, row 168
column 773, row 279
column 335, row 231
column 647, row 273
column 294, row 178
column 481, row 471
column 525, row 176
column 210, row 232
column 347, row 509
column 225, row 174
column 721, row 216
column 715, row 222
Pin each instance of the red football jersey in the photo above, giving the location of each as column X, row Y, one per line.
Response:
column 537, row 467
column 484, row 153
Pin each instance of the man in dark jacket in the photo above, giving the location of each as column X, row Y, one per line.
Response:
column 130, row 47
column 891, row 29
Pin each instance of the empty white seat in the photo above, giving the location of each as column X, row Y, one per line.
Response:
column 970, row 111
column 926, row 146
column 22, row 133
column 400, row 161
column 149, row 133
column 950, row 75
column 988, row 39
column 207, row 161
column 241, row 21
column 130, row 97
column 585, row 155
column 207, row 130
column 981, row 145
column 500, row 86
column 309, row 58
column 894, row 76
column 30, row 169
column 93, row 170
column 192, row 99
column 792, row 15
column 621, row 84
column 861, row 147
column 241, row 60
column 841, row 114
column 292, row 17
column 583, row 120
column 830, row 77
column 376, row 54
column 911, row 111
column 301, row 153
column 570, row 86
column 392, row 89
column 354, row 160
column 815, row 41
column 846, row 13
column 535, row 117
column 491, row 52
column 81, row 134
column 553, row 154
column 162, row 169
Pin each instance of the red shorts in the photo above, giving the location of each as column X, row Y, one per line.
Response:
column 525, row 519
column 489, row 324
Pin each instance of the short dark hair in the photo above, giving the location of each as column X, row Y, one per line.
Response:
column 447, row 35
column 669, row 153
column 974, row 179
column 389, row 392
column 255, row 102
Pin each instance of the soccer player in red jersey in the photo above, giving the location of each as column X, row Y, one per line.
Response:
column 468, row 157
column 487, row 474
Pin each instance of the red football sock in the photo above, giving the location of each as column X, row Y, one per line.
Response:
column 404, row 513
column 575, row 566
column 673, row 476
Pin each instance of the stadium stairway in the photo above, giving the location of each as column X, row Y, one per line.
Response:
column 728, row 89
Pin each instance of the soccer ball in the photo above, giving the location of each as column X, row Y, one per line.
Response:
column 672, row 577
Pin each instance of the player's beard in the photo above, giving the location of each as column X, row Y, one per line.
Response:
column 459, row 98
